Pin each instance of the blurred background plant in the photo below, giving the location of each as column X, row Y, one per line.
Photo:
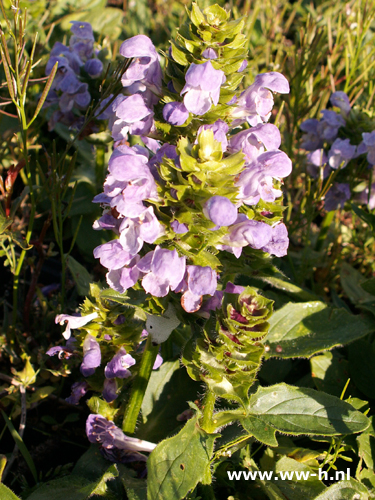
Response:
column 50, row 175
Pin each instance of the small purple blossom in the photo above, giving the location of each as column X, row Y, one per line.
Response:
column 369, row 143
column 131, row 115
column 112, row 255
column 337, row 196
column 248, row 232
column 74, row 322
column 256, row 102
column 124, row 278
column 79, row 389
column 164, row 271
column 341, row 153
column 220, row 211
column 94, row 67
column 209, row 54
column 256, row 181
column 119, row 364
column 202, row 88
column 255, row 141
column 279, row 242
column 91, row 356
column 311, row 139
column 145, row 67
column 179, row 228
column 341, row 100
column 175, row 113
column 63, row 352
column 110, row 390
column 105, row 432
column 329, row 125
column 364, row 198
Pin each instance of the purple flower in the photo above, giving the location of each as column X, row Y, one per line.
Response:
column 364, row 198
column 202, row 88
column 329, row 125
column 91, row 356
column 231, row 288
column 255, row 141
column 82, row 41
column 94, row 67
column 107, row 221
column 315, row 160
column 341, row 153
column 175, row 113
column 165, row 270
column 220, row 211
column 119, row 364
column 103, row 431
column 122, row 279
column 248, row 232
column 179, row 228
column 145, row 67
column 369, row 142
column 220, row 129
column 110, row 390
column 341, row 100
column 61, row 50
column 311, row 139
column 131, row 115
column 133, row 232
column 278, row 245
column 243, row 66
column 256, row 102
column 112, row 255
column 209, row 54
column 74, row 322
column 79, row 389
column 337, row 196
column 63, row 352
column 255, row 182
column 200, row 281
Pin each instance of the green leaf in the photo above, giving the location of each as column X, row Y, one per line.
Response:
column 351, row 281
column 345, row 490
column 306, row 328
column 330, row 373
column 365, row 216
column 366, row 449
column 362, row 367
column 81, row 276
column 6, row 493
column 168, row 390
column 177, row 464
column 261, row 431
column 281, row 283
column 136, row 489
column 369, row 286
column 294, row 489
column 4, row 223
column 305, row 411
column 74, row 487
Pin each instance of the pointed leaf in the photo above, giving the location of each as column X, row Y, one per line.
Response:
column 306, row 328
column 177, row 464
column 305, row 411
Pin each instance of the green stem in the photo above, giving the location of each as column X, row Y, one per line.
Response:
column 139, row 387
column 207, row 423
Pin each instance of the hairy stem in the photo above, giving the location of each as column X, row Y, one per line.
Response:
column 139, row 387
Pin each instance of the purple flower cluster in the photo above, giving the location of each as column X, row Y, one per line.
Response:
column 67, row 90
column 133, row 113
column 328, row 151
